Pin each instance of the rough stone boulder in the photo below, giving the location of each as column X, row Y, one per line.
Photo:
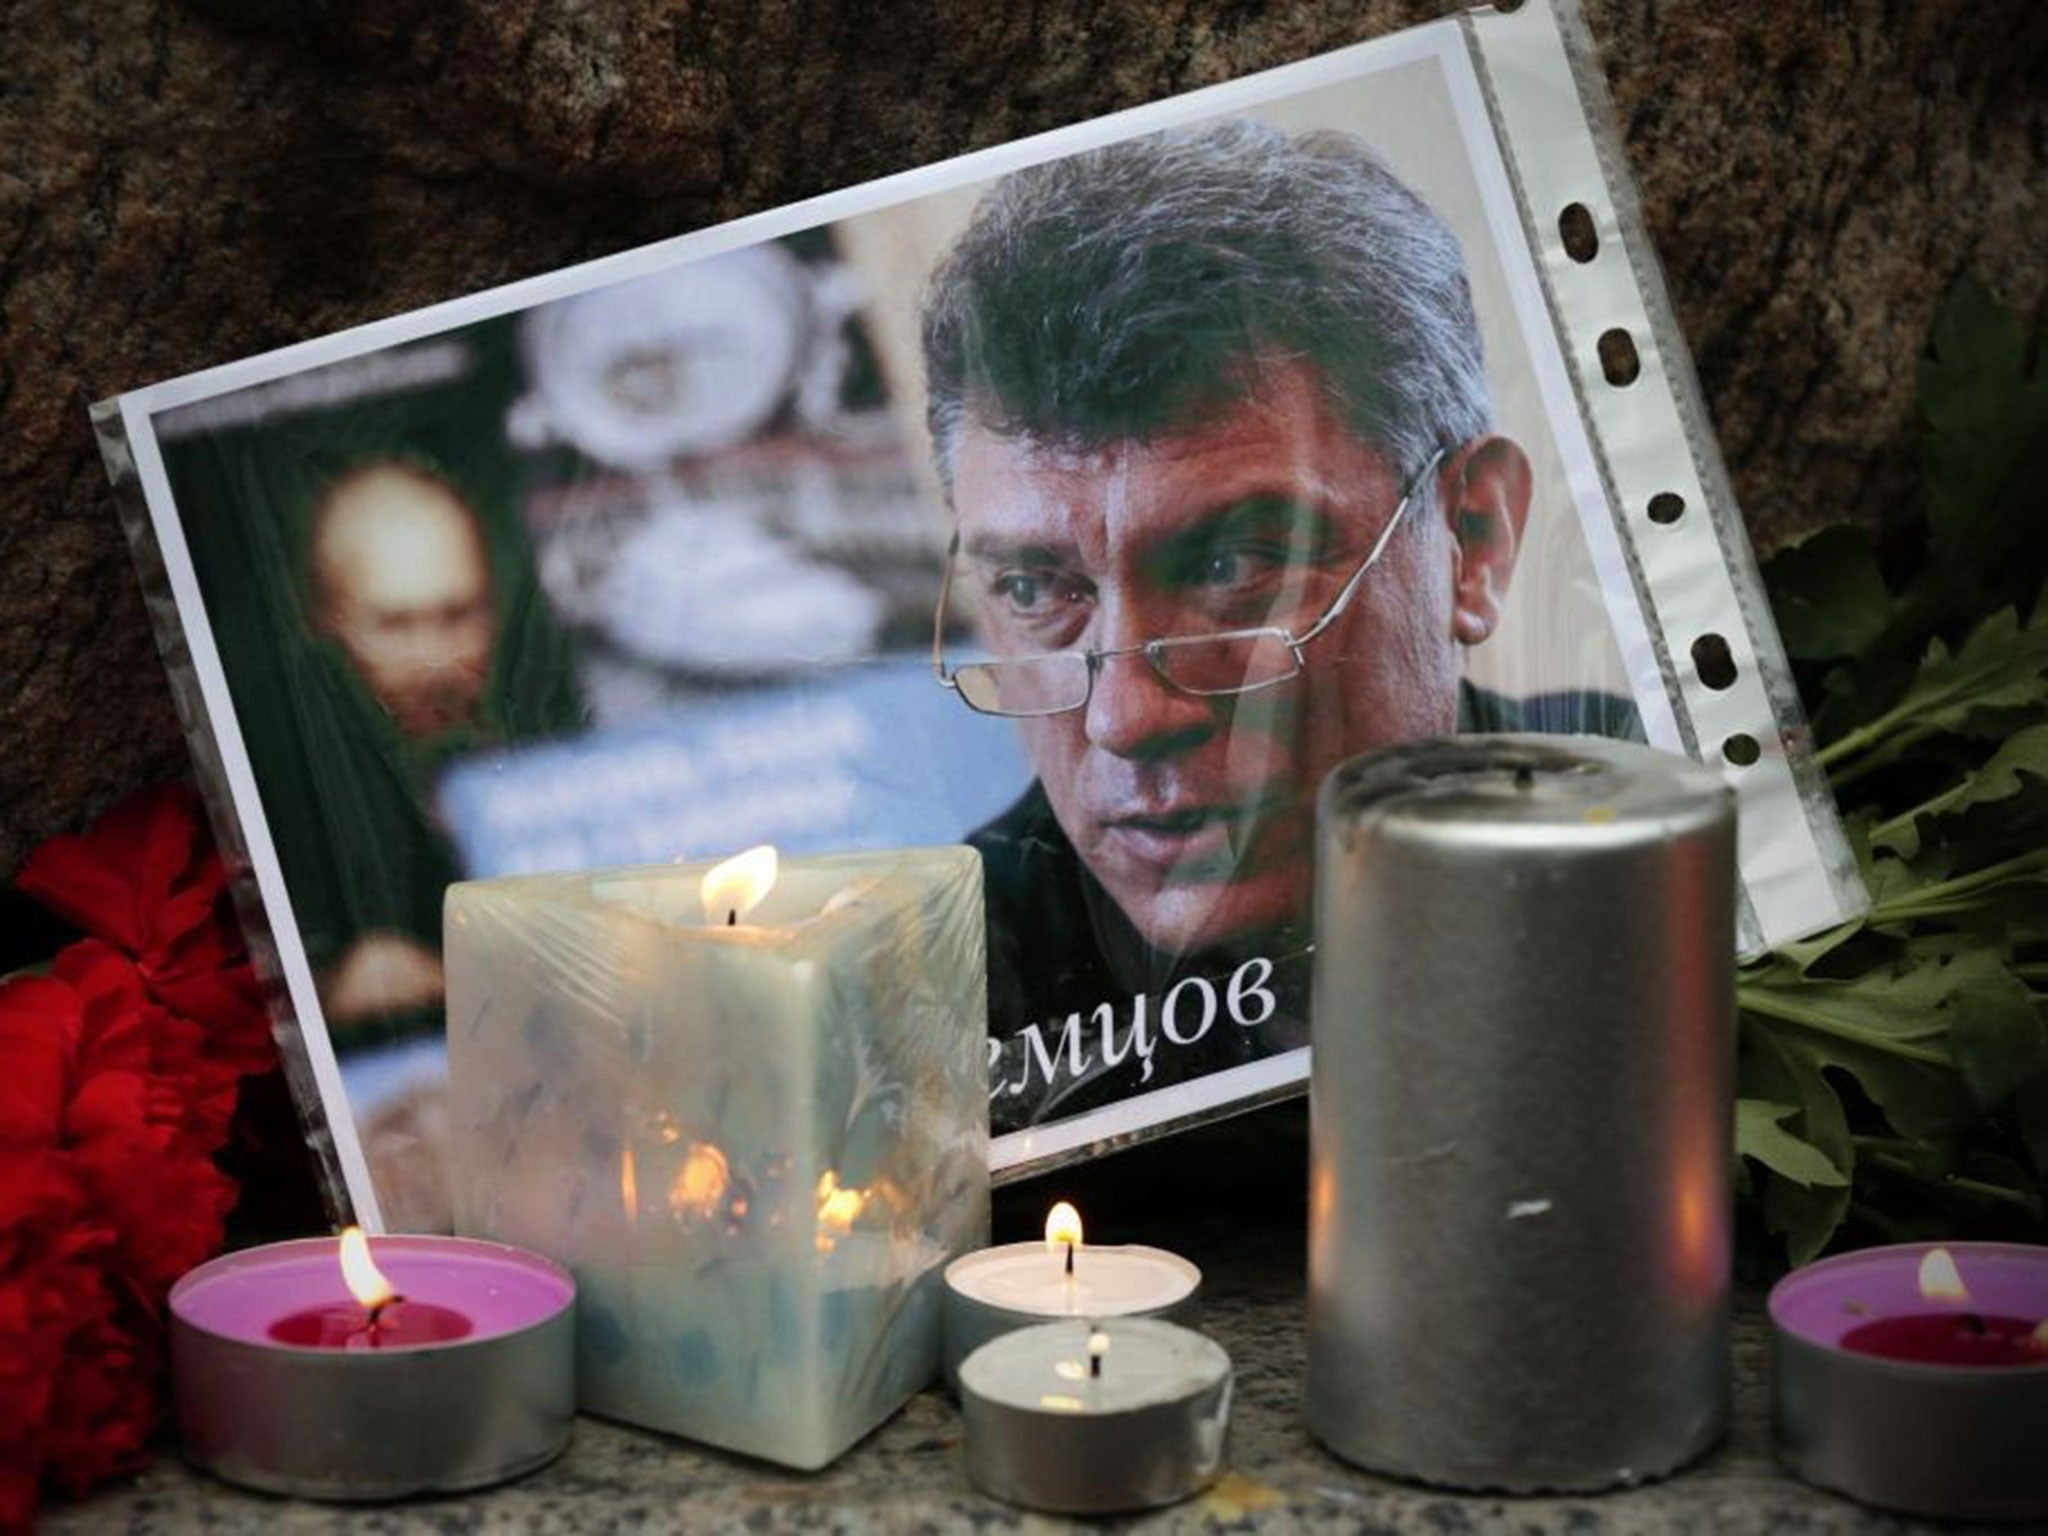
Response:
column 186, row 183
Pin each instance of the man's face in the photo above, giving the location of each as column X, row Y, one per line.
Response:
column 405, row 588
column 1198, row 814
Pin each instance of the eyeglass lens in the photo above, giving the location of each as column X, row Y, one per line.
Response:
column 1207, row 665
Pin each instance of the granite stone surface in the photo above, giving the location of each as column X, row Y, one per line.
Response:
column 1233, row 1203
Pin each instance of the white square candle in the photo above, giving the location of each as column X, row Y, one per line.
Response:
column 756, row 1133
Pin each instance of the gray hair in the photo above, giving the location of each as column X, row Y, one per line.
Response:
column 1131, row 289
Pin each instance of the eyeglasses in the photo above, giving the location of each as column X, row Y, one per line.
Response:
column 1210, row 666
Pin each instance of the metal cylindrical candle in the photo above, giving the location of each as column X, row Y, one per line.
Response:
column 1521, row 1112
column 282, row 1383
column 1084, row 1418
column 1916, row 1398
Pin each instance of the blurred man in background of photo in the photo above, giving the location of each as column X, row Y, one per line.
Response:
column 400, row 577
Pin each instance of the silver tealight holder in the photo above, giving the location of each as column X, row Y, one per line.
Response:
column 1521, row 1112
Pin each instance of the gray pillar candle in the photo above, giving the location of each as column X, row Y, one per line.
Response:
column 1521, row 1112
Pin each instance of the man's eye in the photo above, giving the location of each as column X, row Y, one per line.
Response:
column 1224, row 567
column 1235, row 566
column 1032, row 591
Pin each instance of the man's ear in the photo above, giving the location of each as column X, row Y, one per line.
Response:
column 1484, row 489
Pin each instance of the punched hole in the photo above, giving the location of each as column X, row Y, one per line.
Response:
column 1741, row 749
column 1666, row 507
column 1618, row 360
column 1576, row 228
column 1714, row 663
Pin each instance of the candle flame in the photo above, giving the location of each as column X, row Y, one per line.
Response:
column 837, row 1209
column 734, row 888
column 629, row 1185
column 1062, row 1228
column 1940, row 1280
column 365, row 1280
column 700, row 1184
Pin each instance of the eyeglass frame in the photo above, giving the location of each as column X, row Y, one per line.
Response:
column 1151, row 650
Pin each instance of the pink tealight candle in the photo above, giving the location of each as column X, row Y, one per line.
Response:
column 357, row 1369
column 1916, row 1377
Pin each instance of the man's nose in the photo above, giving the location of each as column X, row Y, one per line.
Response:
column 1134, row 713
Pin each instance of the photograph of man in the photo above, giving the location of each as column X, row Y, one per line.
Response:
column 420, row 653
column 401, row 588
column 1213, row 420
column 402, row 583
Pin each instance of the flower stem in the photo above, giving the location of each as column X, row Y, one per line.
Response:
column 1973, row 1188
column 1938, row 900
column 1875, row 736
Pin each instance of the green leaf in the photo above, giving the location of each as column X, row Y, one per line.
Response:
column 1891, row 877
column 1879, row 1008
column 1888, row 1029
column 2020, row 762
column 1760, row 1133
column 2001, row 916
column 2022, row 756
column 1780, row 1072
column 1996, row 1036
column 1828, row 594
column 2001, row 666
column 1986, row 415
column 1805, row 954
column 1892, row 881
column 1985, row 453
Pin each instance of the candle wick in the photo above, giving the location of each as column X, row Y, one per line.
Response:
column 1070, row 1259
column 1974, row 1323
column 1095, row 1366
column 1525, row 777
column 377, row 1309
column 732, row 917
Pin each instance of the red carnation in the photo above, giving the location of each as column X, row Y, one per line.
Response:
column 53, row 1282
column 108, row 1397
column 124, row 1065
column 145, row 881
column 139, row 879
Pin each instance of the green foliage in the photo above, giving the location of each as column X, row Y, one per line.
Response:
column 1828, row 594
column 1894, row 1071
column 1760, row 1133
